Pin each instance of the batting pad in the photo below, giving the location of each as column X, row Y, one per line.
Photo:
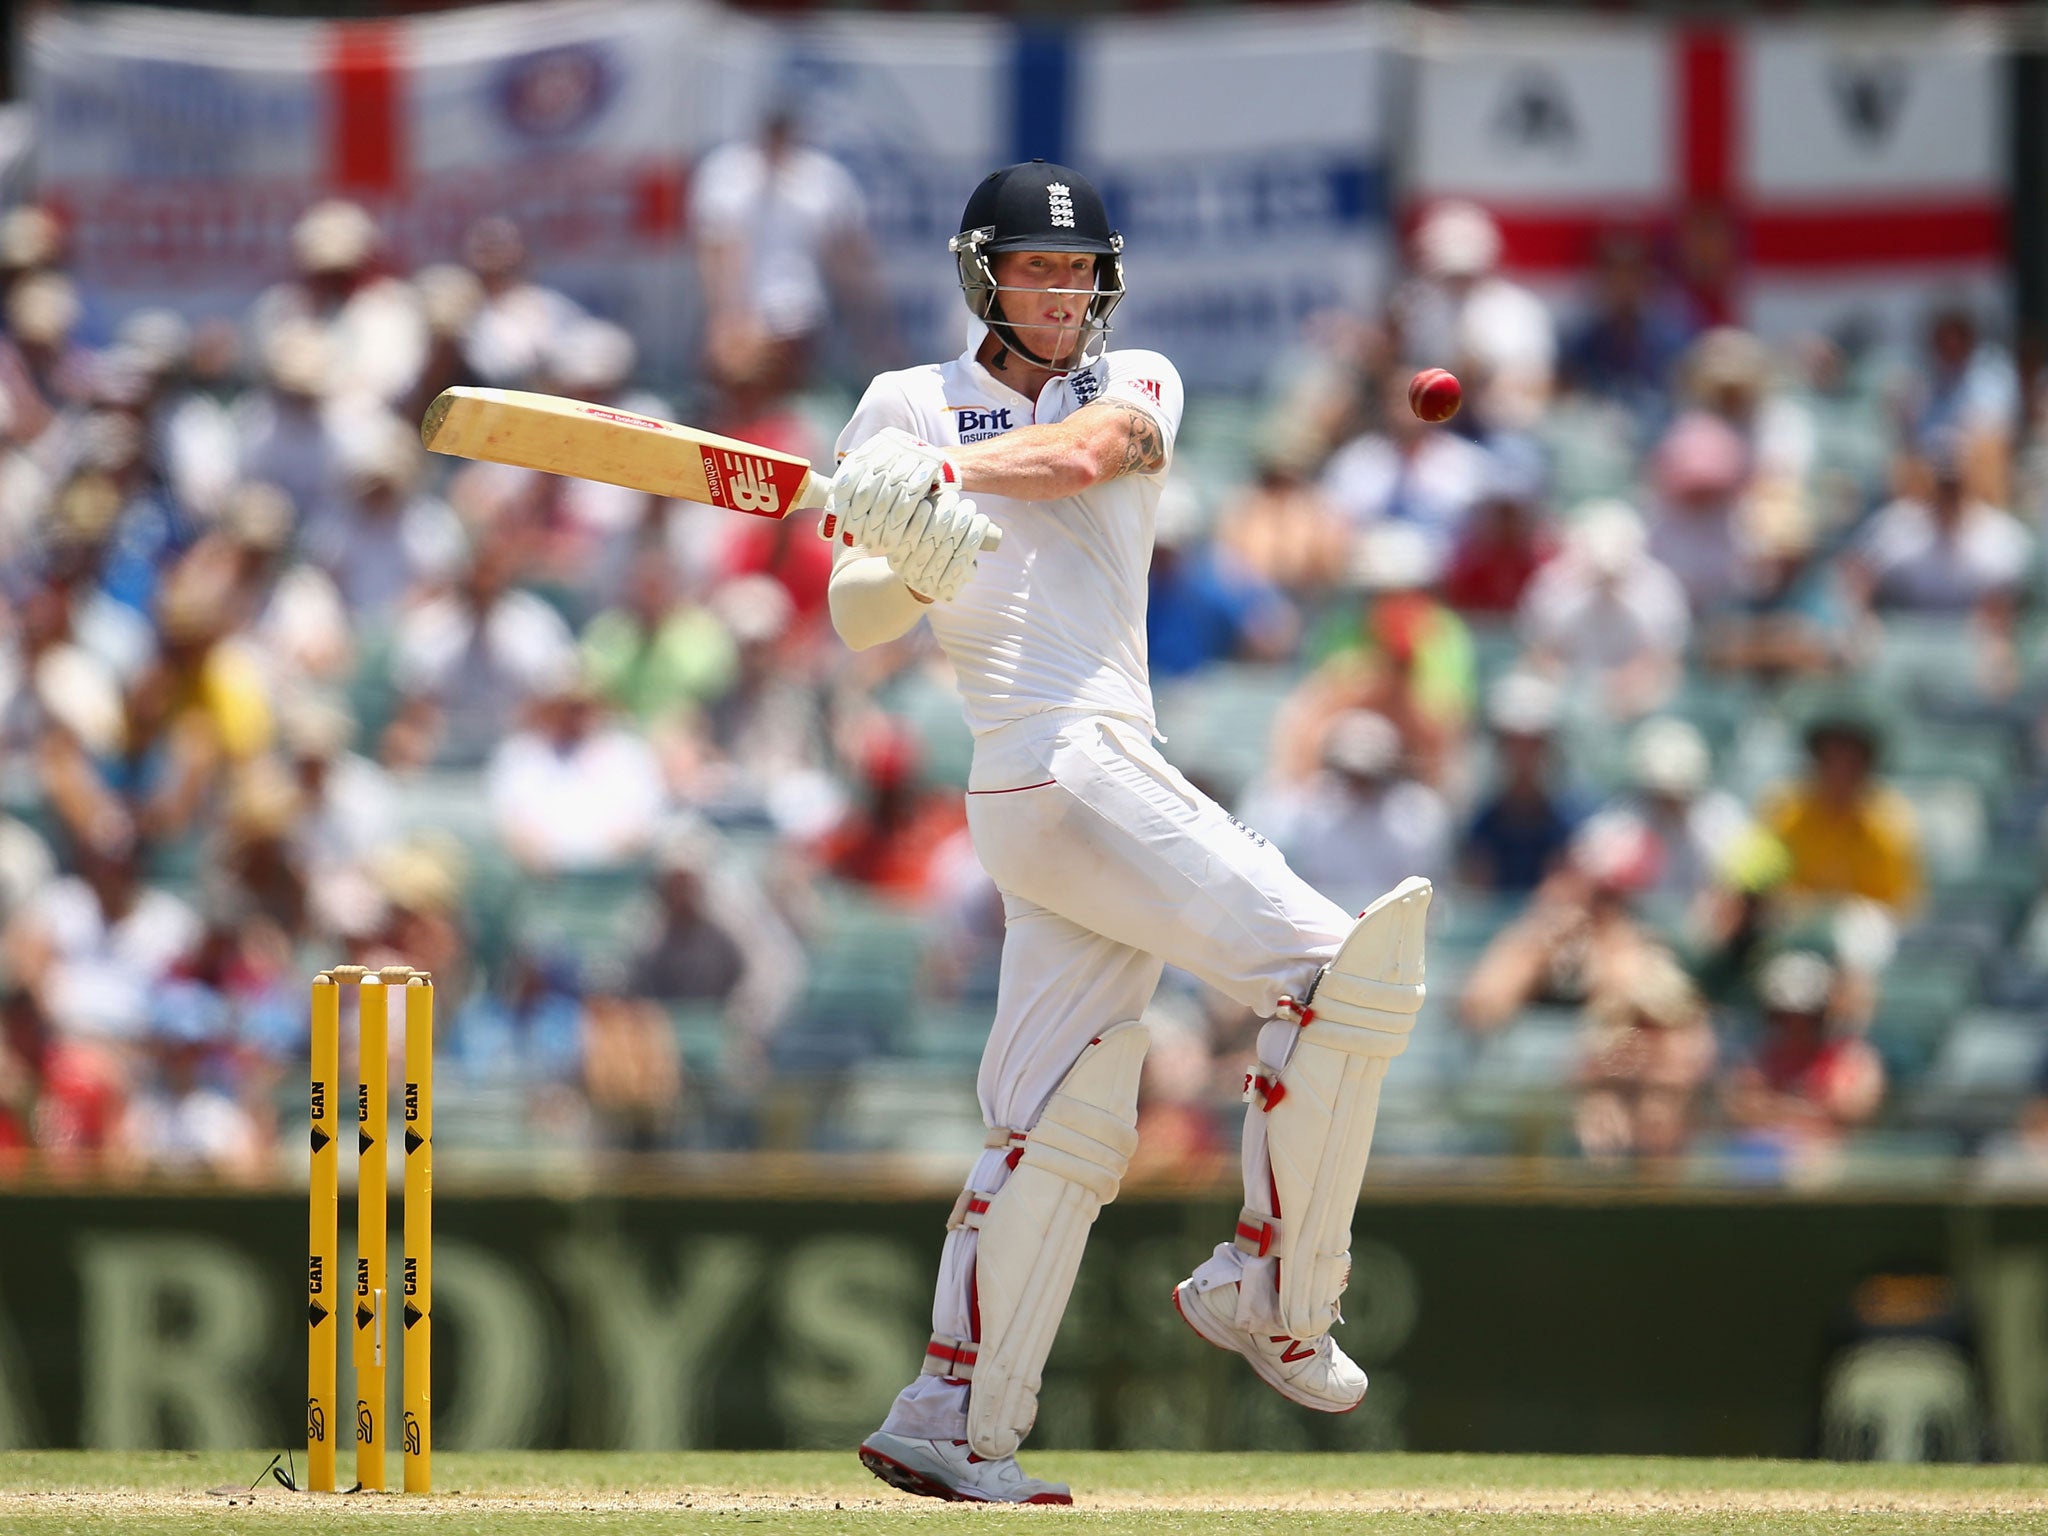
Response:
column 1036, row 1227
column 1319, row 1129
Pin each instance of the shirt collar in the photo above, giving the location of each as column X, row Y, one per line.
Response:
column 982, row 378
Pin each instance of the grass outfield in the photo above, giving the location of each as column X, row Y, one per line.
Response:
column 43, row 1493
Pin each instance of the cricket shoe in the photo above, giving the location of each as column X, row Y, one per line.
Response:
column 948, row 1469
column 1312, row 1372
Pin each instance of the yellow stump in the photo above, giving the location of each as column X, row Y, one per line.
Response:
column 370, row 1311
column 323, row 1239
column 419, row 1233
column 373, row 1109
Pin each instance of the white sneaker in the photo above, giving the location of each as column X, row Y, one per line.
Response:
column 948, row 1469
column 1312, row 1372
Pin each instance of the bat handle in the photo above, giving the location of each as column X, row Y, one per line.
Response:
column 990, row 541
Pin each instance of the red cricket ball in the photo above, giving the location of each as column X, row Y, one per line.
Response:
column 1435, row 394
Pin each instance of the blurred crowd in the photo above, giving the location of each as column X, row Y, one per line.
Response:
column 1702, row 675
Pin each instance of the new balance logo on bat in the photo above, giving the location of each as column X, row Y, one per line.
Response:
column 744, row 484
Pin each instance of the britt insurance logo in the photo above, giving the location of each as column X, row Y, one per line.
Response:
column 977, row 424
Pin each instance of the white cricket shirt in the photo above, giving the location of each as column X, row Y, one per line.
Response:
column 1055, row 618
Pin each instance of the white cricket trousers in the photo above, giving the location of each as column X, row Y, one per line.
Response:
column 1112, row 865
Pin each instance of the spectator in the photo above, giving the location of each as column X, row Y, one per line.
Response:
column 374, row 335
column 655, row 655
column 779, row 225
column 95, row 946
column 450, row 297
column 1606, row 616
column 1940, row 550
column 1400, row 653
column 45, row 368
column 1282, row 530
column 1525, row 824
column 1203, row 606
column 1807, row 1082
column 289, row 436
column 1647, row 1054
column 1179, row 1140
column 148, row 530
column 1507, row 537
column 1460, row 313
column 573, row 791
column 1728, row 374
column 632, row 1072
column 1794, row 619
column 1578, row 940
column 1361, row 826
column 1701, row 477
column 191, row 435
column 1627, row 348
column 385, row 538
column 348, row 806
column 590, row 530
column 712, row 937
column 527, row 1033
column 516, row 322
column 1847, row 834
column 1407, row 472
column 1969, row 394
column 1692, row 826
column 184, row 1116
column 256, row 865
column 533, row 1033
column 468, row 658
column 763, row 739
column 891, row 842
column 2017, row 1157
column 63, row 1099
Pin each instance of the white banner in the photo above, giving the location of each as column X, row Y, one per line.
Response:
column 1858, row 169
column 182, row 147
column 1562, row 114
column 1876, row 111
column 1244, row 158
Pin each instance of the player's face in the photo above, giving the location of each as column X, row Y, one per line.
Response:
column 1044, row 295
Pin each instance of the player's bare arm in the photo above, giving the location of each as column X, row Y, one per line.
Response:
column 1045, row 463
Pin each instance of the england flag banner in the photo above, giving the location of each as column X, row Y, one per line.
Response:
column 1244, row 158
column 180, row 148
column 1805, row 174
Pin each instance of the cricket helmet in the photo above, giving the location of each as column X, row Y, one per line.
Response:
column 1039, row 206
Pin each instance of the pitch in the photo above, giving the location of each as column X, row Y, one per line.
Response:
column 43, row 1493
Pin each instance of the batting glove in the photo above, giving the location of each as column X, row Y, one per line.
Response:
column 879, row 486
column 944, row 539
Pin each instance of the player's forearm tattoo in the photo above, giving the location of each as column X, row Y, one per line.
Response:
column 1144, row 448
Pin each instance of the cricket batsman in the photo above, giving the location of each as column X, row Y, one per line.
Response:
column 1111, row 864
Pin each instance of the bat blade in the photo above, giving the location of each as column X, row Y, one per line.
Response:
column 596, row 442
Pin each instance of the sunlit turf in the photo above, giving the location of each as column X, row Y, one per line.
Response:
column 1143, row 1493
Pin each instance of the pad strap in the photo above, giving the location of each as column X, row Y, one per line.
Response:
column 968, row 1209
column 1256, row 1233
column 950, row 1357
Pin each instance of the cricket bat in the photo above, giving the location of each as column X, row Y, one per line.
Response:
column 596, row 442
